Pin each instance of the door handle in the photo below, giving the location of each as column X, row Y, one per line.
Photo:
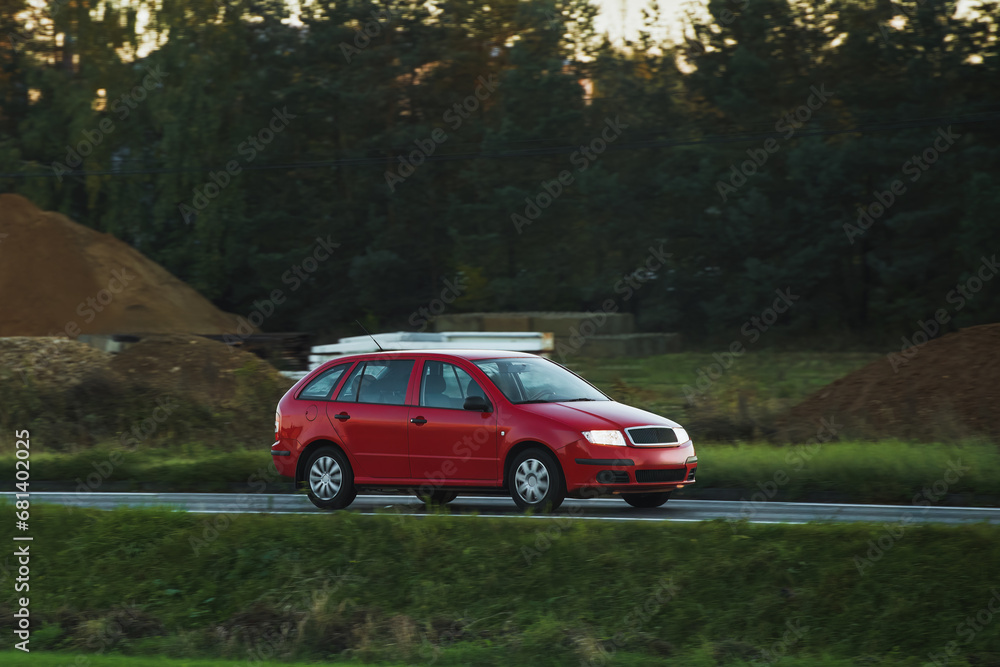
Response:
column 343, row 416
column 418, row 420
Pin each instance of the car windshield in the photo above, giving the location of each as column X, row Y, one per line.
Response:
column 537, row 380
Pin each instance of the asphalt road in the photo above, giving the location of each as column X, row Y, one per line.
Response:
column 611, row 509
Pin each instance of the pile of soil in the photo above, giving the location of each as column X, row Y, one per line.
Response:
column 50, row 362
column 58, row 277
column 947, row 388
column 201, row 370
column 190, row 368
column 73, row 396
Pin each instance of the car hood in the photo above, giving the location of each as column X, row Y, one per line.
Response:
column 590, row 415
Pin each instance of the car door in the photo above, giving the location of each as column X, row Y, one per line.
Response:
column 308, row 421
column 447, row 442
column 370, row 413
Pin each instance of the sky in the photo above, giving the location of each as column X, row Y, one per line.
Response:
column 624, row 17
column 621, row 17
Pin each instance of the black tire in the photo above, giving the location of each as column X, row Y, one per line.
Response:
column 536, row 481
column 646, row 500
column 337, row 490
column 438, row 497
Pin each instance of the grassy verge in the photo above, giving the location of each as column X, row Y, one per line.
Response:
column 747, row 392
column 738, row 405
column 767, row 375
column 132, row 409
column 193, row 467
column 61, row 659
column 498, row 592
column 864, row 472
column 447, row 656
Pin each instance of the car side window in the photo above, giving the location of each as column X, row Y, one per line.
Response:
column 378, row 381
column 505, row 382
column 320, row 387
column 534, row 384
column 444, row 385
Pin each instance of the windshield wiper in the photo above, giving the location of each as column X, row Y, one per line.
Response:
column 568, row 400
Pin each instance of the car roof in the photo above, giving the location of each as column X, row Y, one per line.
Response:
column 470, row 355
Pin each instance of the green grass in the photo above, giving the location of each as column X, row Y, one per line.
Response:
column 192, row 467
column 766, row 380
column 100, row 408
column 51, row 659
column 869, row 472
column 499, row 592
column 757, row 386
column 447, row 656
column 737, row 406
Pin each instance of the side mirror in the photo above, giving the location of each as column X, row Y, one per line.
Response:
column 477, row 403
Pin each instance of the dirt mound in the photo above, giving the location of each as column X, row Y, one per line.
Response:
column 58, row 277
column 946, row 388
column 51, row 362
column 201, row 370
column 71, row 395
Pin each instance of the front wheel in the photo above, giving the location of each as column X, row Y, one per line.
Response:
column 330, row 479
column 536, row 481
column 646, row 500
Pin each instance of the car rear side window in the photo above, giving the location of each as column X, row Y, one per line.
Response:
column 378, row 381
column 321, row 387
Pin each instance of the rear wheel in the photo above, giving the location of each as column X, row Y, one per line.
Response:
column 439, row 497
column 329, row 479
column 646, row 500
column 536, row 481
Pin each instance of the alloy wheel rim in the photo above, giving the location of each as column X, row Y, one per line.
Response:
column 531, row 480
column 325, row 478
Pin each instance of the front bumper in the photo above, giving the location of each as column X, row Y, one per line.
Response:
column 630, row 469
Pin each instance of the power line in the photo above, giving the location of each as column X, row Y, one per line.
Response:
column 540, row 151
column 654, row 132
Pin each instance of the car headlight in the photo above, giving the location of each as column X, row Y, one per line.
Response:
column 682, row 435
column 605, row 438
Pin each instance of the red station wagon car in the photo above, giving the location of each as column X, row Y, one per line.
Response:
column 441, row 423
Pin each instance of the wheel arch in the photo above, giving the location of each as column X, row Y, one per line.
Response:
column 525, row 445
column 300, row 465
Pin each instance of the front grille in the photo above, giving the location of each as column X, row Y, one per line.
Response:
column 652, row 435
column 667, row 475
